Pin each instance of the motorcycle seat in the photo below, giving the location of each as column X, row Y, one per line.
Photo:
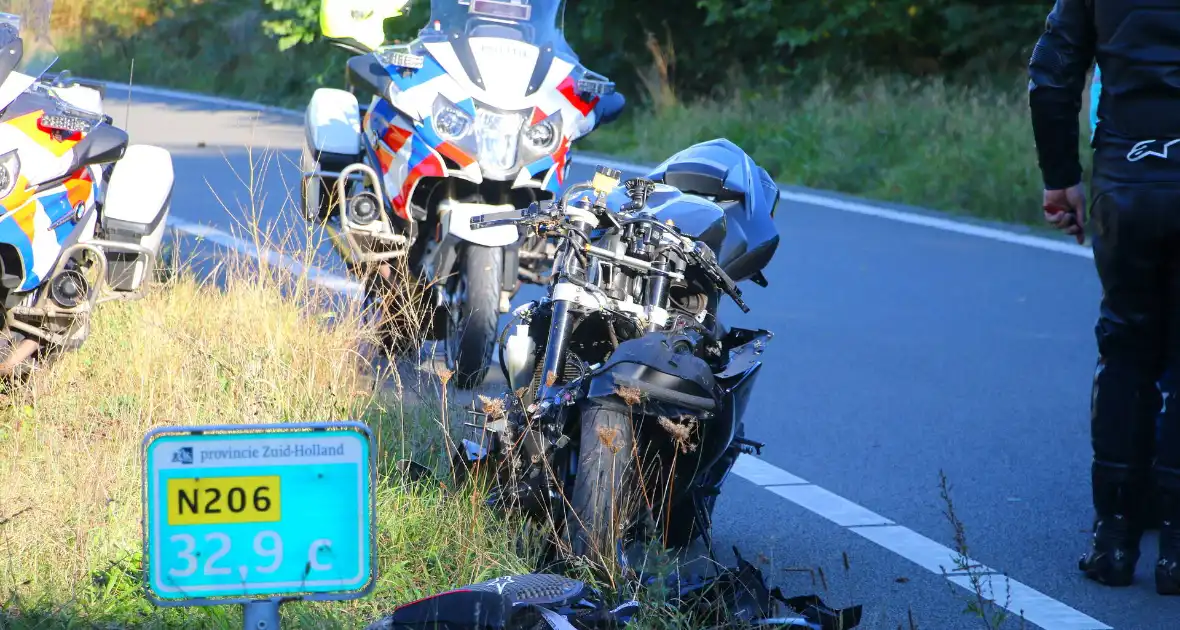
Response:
column 699, row 178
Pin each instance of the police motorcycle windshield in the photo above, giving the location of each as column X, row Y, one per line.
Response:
column 505, row 48
column 535, row 22
column 26, row 51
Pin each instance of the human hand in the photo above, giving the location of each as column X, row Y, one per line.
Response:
column 1066, row 210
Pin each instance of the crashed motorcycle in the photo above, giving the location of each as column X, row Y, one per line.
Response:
column 628, row 393
column 83, row 213
column 475, row 115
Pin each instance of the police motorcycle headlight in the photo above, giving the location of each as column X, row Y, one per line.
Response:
column 497, row 138
column 9, row 171
column 543, row 137
column 451, row 123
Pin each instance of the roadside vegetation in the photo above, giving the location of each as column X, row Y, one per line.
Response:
column 196, row 354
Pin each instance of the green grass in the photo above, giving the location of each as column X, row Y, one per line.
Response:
column 255, row 349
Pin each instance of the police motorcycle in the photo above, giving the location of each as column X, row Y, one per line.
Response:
column 83, row 214
column 477, row 114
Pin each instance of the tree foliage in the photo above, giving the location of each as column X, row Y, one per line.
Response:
column 700, row 46
column 717, row 41
column 712, row 42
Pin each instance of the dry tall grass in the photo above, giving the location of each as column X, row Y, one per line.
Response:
column 258, row 349
column 187, row 354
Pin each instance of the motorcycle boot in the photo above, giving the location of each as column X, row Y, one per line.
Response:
column 1167, row 566
column 1167, row 477
column 1114, row 548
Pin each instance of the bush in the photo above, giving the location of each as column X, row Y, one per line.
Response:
column 716, row 42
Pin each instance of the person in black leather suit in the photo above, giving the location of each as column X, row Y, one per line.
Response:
column 1135, row 215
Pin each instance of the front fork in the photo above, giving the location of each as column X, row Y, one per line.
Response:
column 555, row 350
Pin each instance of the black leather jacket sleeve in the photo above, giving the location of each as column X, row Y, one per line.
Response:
column 1057, row 78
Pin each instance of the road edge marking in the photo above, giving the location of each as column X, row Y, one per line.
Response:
column 314, row 275
column 1036, row 607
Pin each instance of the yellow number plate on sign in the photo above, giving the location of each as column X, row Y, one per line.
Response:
column 218, row 500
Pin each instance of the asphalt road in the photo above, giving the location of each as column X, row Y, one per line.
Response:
column 900, row 350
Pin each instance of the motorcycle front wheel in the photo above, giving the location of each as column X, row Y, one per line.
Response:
column 471, row 325
column 604, row 498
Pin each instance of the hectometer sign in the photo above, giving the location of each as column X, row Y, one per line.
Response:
column 258, row 511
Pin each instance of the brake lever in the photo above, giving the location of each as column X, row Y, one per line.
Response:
column 478, row 223
column 494, row 219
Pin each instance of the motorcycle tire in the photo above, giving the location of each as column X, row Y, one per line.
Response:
column 472, row 338
column 603, row 483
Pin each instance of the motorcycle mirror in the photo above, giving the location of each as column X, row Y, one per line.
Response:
column 398, row 59
column 595, row 88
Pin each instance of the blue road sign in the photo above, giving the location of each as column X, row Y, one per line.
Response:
column 257, row 511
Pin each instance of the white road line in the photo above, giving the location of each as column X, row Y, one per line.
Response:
column 1039, row 609
column 314, row 275
column 764, row 474
column 1036, row 607
column 946, row 225
column 909, row 544
column 831, row 506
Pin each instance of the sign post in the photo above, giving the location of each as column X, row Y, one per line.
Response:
column 258, row 515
